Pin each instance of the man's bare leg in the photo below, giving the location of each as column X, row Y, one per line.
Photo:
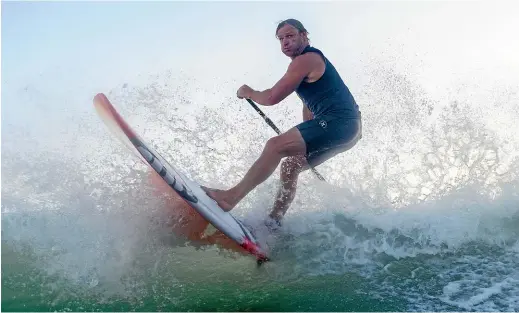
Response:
column 290, row 170
column 290, row 143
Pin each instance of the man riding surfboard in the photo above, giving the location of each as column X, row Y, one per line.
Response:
column 331, row 121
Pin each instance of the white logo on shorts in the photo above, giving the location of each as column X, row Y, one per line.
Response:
column 322, row 123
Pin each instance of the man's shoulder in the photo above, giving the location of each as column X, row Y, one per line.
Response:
column 313, row 50
column 308, row 58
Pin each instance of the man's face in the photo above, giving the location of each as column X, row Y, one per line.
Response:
column 291, row 40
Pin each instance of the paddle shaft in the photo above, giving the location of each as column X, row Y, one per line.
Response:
column 271, row 124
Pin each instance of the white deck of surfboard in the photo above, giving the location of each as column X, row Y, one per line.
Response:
column 205, row 205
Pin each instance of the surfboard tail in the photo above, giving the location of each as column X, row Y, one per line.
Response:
column 253, row 249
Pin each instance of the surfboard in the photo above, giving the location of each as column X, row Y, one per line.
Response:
column 188, row 190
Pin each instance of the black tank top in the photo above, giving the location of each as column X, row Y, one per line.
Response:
column 328, row 95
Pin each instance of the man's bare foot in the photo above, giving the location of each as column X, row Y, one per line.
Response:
column 224, row 198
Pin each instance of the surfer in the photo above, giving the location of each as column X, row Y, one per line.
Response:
column 331, row 122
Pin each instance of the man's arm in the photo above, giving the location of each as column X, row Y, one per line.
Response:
column 296, row 72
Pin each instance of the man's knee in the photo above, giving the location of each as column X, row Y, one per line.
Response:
column 288, row 144
column 273, row 145
column 276, row 145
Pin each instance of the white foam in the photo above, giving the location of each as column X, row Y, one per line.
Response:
column 481, row 298
column 413, row 186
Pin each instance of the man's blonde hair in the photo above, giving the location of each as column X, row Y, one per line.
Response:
column 292, row 22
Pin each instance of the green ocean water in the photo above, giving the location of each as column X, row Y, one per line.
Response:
column 168, row 277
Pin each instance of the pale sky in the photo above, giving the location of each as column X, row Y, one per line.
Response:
column 126, row 37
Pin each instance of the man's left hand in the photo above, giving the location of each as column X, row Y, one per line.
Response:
column 244, row 92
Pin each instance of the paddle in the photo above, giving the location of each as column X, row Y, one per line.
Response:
column 271, row 124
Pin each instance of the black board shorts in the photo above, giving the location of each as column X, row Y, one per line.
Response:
column 326, row 137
